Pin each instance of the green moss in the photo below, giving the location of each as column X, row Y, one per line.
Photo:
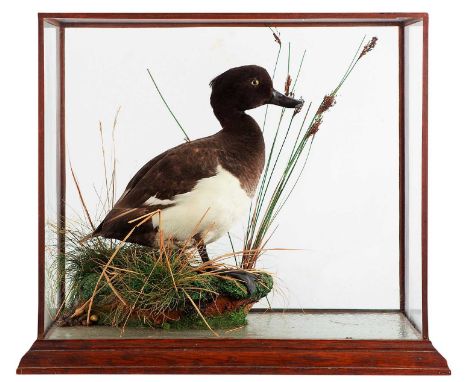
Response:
column 231, row 288
column 264, row 286
column 165, row 325
column 238, row 291
column 154, row 285
column 227, row 320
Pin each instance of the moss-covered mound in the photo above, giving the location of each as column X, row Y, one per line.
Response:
column 144, row 286
column 226, row 320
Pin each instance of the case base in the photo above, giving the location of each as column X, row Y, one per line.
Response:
column 233, row 356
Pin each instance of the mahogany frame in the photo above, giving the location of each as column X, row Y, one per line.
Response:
column 231, row 356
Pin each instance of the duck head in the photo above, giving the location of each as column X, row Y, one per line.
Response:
column 244, row 88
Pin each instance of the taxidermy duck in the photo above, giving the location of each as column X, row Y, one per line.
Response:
column 202, row 187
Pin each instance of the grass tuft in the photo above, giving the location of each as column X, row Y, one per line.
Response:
column 147, row 286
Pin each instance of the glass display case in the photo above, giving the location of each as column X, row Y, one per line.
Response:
column 325, row 272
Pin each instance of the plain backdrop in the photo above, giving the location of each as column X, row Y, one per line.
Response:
column 343, row 214
column 448, row 163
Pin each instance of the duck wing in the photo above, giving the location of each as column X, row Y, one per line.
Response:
column 155, row 186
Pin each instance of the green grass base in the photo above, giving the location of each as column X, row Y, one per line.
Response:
column 155, row 289
column 227, row 320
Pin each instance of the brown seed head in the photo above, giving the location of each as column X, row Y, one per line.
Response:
column 287, row 85
column 277, row 39
column 327, row 102
column 368, row 47
column 314, row 127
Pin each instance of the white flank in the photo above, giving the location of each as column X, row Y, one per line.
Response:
column 210, row 209
column 154, row 201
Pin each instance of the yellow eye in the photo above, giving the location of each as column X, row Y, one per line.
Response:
column 255, row 82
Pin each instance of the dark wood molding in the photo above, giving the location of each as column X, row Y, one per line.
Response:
column 227, row 356
column 51, row 21
column 253, row 24
column 181, row 20
column 400, row 16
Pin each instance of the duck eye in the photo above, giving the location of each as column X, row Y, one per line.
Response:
column 255, row 82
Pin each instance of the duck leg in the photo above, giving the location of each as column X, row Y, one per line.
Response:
column 201, row 247
column 249, row 279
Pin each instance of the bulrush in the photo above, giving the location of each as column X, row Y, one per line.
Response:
column 368, row 47
column 327, row 102
column 266, row 209
column 276, row 36
column 330, row 99
column 315, row 126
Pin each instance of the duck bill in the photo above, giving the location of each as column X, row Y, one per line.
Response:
column 282, row 100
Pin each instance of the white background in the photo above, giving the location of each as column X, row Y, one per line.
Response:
column 343, row 214
column 448, row 162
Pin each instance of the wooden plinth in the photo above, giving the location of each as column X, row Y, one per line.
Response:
column 233, row 356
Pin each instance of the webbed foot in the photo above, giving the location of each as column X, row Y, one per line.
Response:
column 247, row 278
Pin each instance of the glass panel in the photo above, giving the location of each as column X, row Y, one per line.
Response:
column 51, row 178
column 347, row 199
column 413, row 142
column 337, row 242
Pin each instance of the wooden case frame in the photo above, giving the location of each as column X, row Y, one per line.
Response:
column 232, row 356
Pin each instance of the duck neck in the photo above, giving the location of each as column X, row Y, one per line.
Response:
column 243, row 148
column 237, row 122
